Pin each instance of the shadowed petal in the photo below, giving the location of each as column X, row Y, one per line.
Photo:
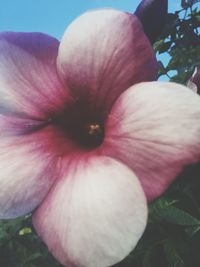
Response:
column 26, row 174
column 94, row 215
column 102, row 53
column 154, row 128
column 29, row 163
column 28, row 78
column 152, row 14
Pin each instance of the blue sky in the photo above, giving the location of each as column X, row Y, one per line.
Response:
column 52, row 16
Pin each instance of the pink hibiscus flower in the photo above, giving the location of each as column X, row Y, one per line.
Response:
column 85, row 140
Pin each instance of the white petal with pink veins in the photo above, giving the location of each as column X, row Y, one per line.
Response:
column 94, row 215
column 102, row 53
column 154, row 128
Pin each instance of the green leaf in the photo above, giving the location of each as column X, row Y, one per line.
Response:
column 33, row 257
column 158, row 44
column 193, row 230
column 165, row 47
column 173, row 257
column 177, row 216
column 147, row 257
column 161, row 46
column 162, row 70
column 158, row 207
column 150, row 252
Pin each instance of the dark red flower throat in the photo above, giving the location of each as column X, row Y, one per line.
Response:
column 81, row 124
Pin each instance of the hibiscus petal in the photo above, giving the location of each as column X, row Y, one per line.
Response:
column 102, row 53
column 154, row 128
column 29, row 83
column 29, row 163
column 94, row 215
column 26, row 175
column 152, row 14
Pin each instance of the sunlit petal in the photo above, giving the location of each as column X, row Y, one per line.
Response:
column 102, row 53
column 94, row 215
column 154, row 128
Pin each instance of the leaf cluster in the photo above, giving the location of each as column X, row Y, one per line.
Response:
column 180, row 40
column 21, row 247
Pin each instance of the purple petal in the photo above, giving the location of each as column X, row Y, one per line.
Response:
column 94, row 215
column 152, row 14
column 101, row 54
column 29, row 83
column 154, row 128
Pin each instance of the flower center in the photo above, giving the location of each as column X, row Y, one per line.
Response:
column 93, row 134
column 80, row 125
column 87, row 134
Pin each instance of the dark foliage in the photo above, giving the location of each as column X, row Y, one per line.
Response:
column 181, row 41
